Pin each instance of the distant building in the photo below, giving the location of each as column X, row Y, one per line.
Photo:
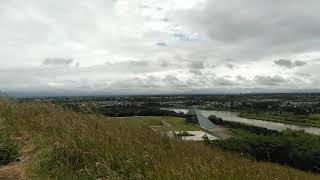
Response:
column 191, row 116
column 196, row 117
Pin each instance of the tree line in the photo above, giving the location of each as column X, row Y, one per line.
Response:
column 289, row 147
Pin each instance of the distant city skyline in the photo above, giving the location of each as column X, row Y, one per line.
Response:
column 128, row 47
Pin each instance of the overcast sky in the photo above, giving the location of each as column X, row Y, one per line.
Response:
column 152, row 46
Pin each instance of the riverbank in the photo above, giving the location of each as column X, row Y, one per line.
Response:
column 233, row 116
column 288, row 119
column 202, row 108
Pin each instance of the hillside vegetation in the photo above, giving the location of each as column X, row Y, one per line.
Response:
column 69, row 145
column 292, row 148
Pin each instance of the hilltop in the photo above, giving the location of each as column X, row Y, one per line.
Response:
column 62, row 144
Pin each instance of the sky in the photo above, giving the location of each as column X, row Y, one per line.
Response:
column 79, row 47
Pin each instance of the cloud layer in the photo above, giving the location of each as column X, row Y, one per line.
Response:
column 289, row 64
column 149, row 46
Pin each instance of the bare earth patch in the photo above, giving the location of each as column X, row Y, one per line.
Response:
column 17, row 170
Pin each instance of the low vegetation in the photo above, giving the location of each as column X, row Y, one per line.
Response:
column 292, row 148
column 123, row 111
column 237, row 125
column 69, row 145
column 9, row 149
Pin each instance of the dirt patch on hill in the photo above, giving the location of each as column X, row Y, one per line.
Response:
column 17, row 170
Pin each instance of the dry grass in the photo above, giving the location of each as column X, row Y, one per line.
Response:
column 69, row 145
column 17, row 170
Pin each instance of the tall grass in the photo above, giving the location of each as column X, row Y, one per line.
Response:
column 69, row 145
column 9, row 149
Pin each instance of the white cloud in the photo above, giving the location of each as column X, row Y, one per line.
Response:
column 158, row 46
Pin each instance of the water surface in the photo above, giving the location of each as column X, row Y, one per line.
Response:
column 233, row 116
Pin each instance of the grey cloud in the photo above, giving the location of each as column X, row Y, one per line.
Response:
column 173, row 81
column 145, row 7
column 241, row 78
column 197, row 65
column 162, row 44
column 225, row 82
column 303, row 74
column 284, row 62
column 289, row 64
column 169, row 82
column 128, row 66
column 269, row 80
column 138, row 63
column 249, row 30
column 57, row 61
column 299, row 63
column 231, row 66
column 195, row 71
column 164, row 64
column 164, row 19
column 83, row 79
column 136, row 83
column 141, row 66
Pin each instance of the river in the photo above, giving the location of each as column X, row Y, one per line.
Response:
column 233, row 116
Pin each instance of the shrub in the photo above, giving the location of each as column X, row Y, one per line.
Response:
column 238, row 125
column 9, row 149
column 184, row 133
column 294, row 148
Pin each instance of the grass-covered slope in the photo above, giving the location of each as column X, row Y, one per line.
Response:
column 68, row 145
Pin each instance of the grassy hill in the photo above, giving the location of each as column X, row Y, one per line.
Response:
column 69, row 145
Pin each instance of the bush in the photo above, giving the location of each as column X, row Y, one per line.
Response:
column 293, row 148
column 216, row 120
column 184, row 133
column 238, row 125
column 9, row 149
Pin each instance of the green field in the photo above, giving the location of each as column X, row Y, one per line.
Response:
column 68, row 145
column 176, row 122
column 303, row 120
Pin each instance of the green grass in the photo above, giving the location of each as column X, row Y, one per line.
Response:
column 311, row 120
column 68, row 145
column 176, row 122
column 315, row 117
